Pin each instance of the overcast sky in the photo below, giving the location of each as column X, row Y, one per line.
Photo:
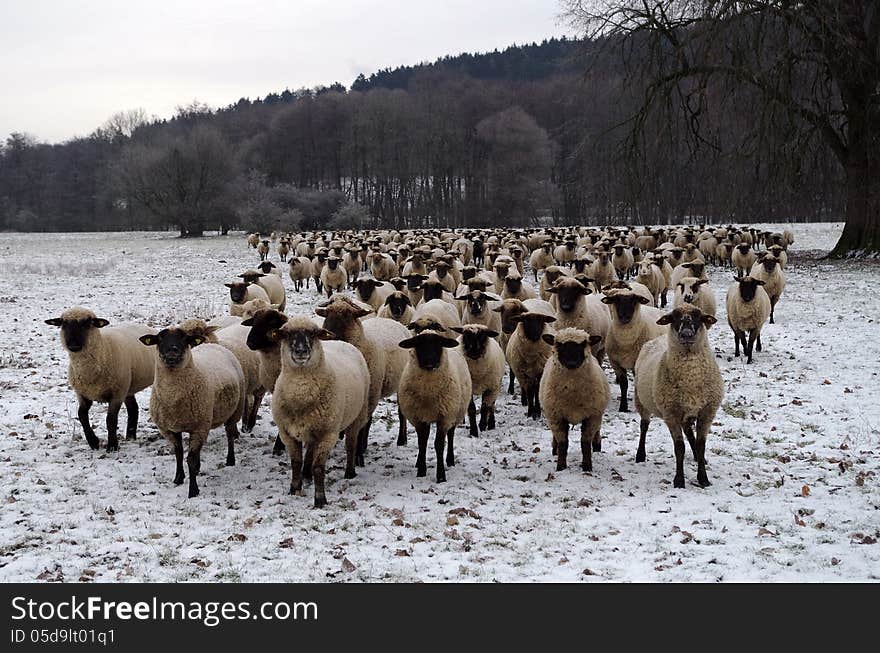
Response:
column 67, row 65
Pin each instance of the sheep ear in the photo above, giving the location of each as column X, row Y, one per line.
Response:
column 448, row 342
column 457, row 329
column 666, row 319
column 497, row 309
column 492, row 334
column 409, row 343
column 760, row 282
column 595, row 340
column 229, row 285
column 361, row 311
column 149, row 339
column 195, row 341
column 553, row 289
column 99, row 322
column 212, row 328
column 324, row 334
column 701, row 282
column 548, row 319
column 248, row 322
column 492, row 296
column 549, row 338
column 607, row 300
column 644, row 300
column 55, row 321
column 321, row 310
column 708, row 320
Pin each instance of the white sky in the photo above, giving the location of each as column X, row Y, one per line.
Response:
column 67, row 65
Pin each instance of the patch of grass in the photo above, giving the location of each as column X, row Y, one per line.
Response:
column 734, row 411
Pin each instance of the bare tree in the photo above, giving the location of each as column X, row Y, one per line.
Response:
column 817, row 61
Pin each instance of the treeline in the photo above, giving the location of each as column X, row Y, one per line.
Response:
column 533, row 132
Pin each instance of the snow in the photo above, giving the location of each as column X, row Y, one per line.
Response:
column 792, row 455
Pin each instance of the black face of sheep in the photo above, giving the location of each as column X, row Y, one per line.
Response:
column 579, row 265
column 688, row 294
column 266, row 266
column 429, row 347
column 397, row 303
column 468, row 273
column 533, row 324
column 262, row 323
column 743, row 248
column 332, row 262
column 769, row 263
column 237, row 291
column 509, row 315
column 251, row 277
column 474, row 339
column 567, row 294
column 696, row 267
column 365, row 287
column 513, row 284
column 748, row 287
column 442, row 268
column 686, row 322
column 75, row 333
column 414, row 281
column 625, row 305
column 432, row 290
column 172, row 345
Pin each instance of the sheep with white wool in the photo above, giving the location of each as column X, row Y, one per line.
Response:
column 691, row 290
column 527, row 353
column 272, row 284
column 515, row 287
column 442, row 312
column 263, row 250
column 479, row 307
column 602, row 271
column 241, row 292
column 333, row 277
column 692, row 269
column 651, row 276
column 542, row 258
column 633, row 323
column 268, row 267
column 678, row 380
column 198, row 386
column 107, row 365
column 769, row 271
column 485, row 361
column 321, row 392
column 577, row 308
column 743, row 258
column 435, row 389
column 372, row 292
column 574, row 390
column 551, row 274
column 397, row 307
column 300, row 271
column 382, row 266
column 748, row 309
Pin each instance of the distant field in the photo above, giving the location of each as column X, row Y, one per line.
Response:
column 793, row 455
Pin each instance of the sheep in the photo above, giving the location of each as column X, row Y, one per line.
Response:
column 623, row 261
column 516, row 288
column 692, row 269
column 666, row 270
column 262, row 322
column 234, row 338
column 542, row 258
column 565, row 253
column 779, row 252
column 300, row 270
column 253, row 240
column 486, row 363
column 527, row 353
column 397, row 307
column 321, row 392
column 635, row 286
column 574, row 309
column 241, row 292
column 748, row 308
column 414, row 287
column 382, row 266
column 270, row 283
column 573, row 390
column 551, row 274
column 678, row 380
column 435, row 388
column 768, row 271
column 440, row 274
column 602, row 271
column 650, row 276
column 440, row 311
column 633, row 323
column 198, row 386
column 107, row 365
column 268, row 267
column 691, row 290
column 743, row 258
column 478, row 309
column 372, row 292
column 333, row 277
column 318, row 265
column 283, row 250
column 263, row 250
column 377, row 340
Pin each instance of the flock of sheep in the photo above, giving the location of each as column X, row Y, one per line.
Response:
column 436, row 317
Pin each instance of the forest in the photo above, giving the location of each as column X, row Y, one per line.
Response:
column 532, row 134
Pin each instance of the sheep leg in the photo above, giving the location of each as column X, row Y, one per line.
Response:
column 112, row 425
column 439, row 445
column 401, row 434
column 307, row 462
column 422, row 431
column 510, row 385
column 294, row 450
column 194, row 461
column 178, row 455
column 623, row 382
column 322, row 450
column 278, row 447
column 772, row 308
column 643, row 431
column 758, row 341
column 490, row 423
column 589, row 429
column 663, row 299
column 678, row 445
column 750, row 346
column 231, row 437
column 536, row 402
column 362, row 437
column 736, row 343
column 704, row 422
column 472, row 418
column 688, row 427
column 450, row 454
column 486, row 409
column 250, row 419
column 352, row 451
column 131, row 423
column 560, row 442
column 83, row 414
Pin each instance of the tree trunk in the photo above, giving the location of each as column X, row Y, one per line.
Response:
column 861, row 233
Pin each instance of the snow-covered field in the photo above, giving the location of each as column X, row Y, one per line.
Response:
column 793, row 455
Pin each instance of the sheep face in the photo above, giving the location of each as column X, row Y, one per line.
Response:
column 477, row 301
column 237, row 291
column 339, row 313
column 301, row 343
column 429, row 347
column 533, row 324
column 414, row 281
column 696, row 267
column 474, row 338
column 743, row 248
column 748, row 287
column 251, row 276
column 76, row 326
column 579, row 265
column 568, row 292
column 468, row 272
column 571, row 352
column 690, row 291
column 510, row 309
column 365, row 288
column 425, row 324
column 769, row 263
column 174, row 346
column 262, row 323
column 501, row 269
column 552, row 273
column 477, row 284
column 333, row 262
column 513, row 284
column 266, row 266
column 441, row 269
column 685, row 322
column 433, row 290
column 625, row 304
column 397, row 303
